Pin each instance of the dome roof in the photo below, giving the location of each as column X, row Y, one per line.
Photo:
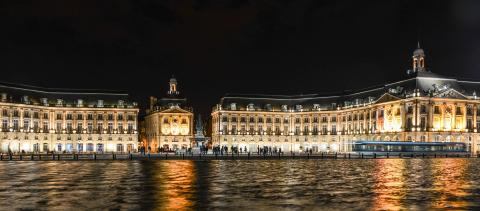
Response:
column 418, row 52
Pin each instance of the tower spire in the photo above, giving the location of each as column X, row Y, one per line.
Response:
column 173, row 86
column 418, row 59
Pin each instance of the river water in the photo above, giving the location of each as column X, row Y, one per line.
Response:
column 381, row 184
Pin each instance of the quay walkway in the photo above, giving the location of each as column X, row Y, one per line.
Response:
column 224, row 156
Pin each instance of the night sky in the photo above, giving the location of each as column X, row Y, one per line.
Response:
column 215, row 47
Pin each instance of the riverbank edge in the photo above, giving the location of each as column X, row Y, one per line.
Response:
column 206, row 157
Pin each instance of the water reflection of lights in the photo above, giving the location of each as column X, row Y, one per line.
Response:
column 449, row 183
column 389, row 186
column 177, row 187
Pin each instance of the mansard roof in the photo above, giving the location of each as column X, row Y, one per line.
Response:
column 421, row 83
column 21, row 93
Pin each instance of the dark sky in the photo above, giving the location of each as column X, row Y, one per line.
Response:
column 240, row 46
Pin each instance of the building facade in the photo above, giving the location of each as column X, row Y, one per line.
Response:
column 169, row 122
column 423, row 107
column 42, row 120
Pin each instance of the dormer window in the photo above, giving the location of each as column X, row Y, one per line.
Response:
column 358, row 101
column 298, row 107
column 59, row 102
column 268, row 107
column 80, row 103
column 100, row 103
column 44, row 101
column 284, row 108
column 25, row 100
column 121, row 103
column 316, row 107
column 251, row 107
column 233, row 106
column 4, row 97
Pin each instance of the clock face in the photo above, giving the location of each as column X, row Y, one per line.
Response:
column 184, row 131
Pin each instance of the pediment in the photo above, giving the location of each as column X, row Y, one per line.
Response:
column 387, row 97
column 175, row 109
column 451, row 93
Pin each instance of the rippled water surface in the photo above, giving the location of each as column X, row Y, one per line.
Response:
column 382, row 184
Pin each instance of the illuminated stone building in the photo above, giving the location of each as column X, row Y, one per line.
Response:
column 169, row 122
column 423, row 107
column 41, row 120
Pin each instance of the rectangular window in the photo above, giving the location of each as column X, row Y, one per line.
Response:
column 410, row 110
column 26, row 125
column 15, row 125
column 130, row 127
column 79, row 127
column 110, row 127
column 334, row 130
column 89, row 127
column 423, row 123
column 45, row 126
column 99, row 127
column 69, row 127
column 59, row 127
column 324, row 129
column 120, row 127
column 35, row 126
column 5, row 124
column 334, row 119
column 469, row 124
column 324, row 119
column 315, row 130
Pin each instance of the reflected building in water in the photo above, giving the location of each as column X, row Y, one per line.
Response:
column 422, row 107
column 41, row 120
